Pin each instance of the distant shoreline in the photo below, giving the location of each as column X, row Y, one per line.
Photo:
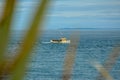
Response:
column 89, row 29
column 75, row 29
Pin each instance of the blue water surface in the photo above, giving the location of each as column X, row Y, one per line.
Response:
column 47, row 60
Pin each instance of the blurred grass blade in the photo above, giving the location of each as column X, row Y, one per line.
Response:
column 5, row 25
column 70, row 56
column 102, row 70
column 18, row 66
column 112, row 58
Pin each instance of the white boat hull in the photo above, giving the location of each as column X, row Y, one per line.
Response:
column 67, row 41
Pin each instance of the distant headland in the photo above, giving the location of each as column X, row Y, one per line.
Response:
column 89, row 29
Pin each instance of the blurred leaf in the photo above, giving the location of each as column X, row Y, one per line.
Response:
column 102, row 70
column 19, row 65
column 70, row 56
column 112, row 58
column 5, row 25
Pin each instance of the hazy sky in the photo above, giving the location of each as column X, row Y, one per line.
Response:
column 71, row 13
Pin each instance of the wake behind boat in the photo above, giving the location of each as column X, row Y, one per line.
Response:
column 61, row 40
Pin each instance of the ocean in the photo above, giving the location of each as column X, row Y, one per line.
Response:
column 47, row 59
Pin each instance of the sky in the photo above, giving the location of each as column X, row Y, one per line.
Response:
column 70, row 14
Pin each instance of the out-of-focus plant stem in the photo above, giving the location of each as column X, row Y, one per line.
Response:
column 111, row 60
column 16, row 69
column 70, row 56
column 102, row 70
column 19, row 65
column 5, row 26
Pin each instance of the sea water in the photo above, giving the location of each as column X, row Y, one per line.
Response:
column 47, row 59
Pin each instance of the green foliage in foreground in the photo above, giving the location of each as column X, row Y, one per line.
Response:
column 16, row 69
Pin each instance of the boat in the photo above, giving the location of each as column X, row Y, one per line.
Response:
column 61, row 40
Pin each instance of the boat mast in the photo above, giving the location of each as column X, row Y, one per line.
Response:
column 61, row 34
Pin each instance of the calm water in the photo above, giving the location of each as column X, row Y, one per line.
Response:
column 47, row 59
